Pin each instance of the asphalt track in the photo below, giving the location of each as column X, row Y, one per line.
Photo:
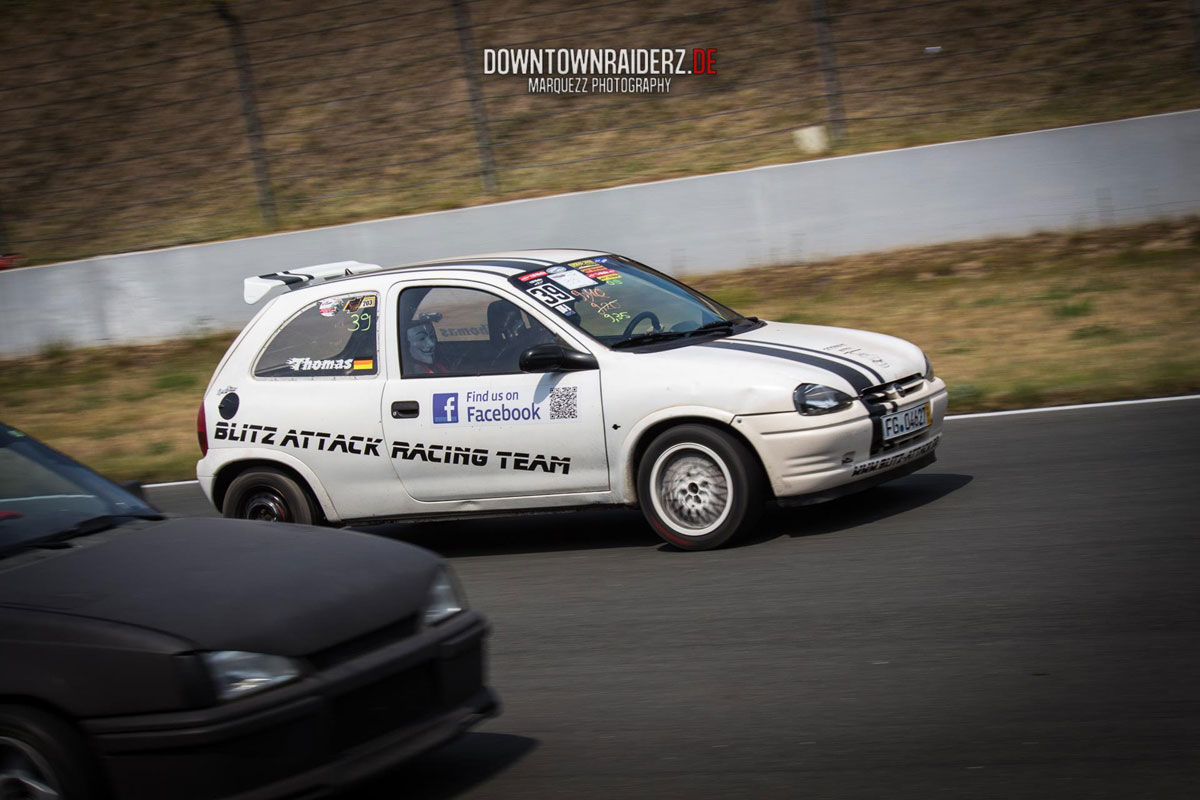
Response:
column 1020, row 620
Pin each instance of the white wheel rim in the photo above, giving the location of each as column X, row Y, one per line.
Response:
column 24, row 773
column 691, row 489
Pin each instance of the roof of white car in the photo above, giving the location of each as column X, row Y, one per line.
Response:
column 505, row 264
column 519, row 260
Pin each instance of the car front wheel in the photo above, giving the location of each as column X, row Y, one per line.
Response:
column 270, row 496
column 699, row 487
column 42, row 757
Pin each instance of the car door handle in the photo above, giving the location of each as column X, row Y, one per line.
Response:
column 403, row 409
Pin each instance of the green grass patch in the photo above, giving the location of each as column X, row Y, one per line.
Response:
column 1026, row 394
column 1106, row 332
column 736, row 297
column 1099, row 285
column 176, row 381
column 1079, row 309
column 807, row 318
column 1055, row 294
column 965, row 396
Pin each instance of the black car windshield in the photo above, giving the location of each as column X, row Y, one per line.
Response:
column 45, row 495
column 624, row 304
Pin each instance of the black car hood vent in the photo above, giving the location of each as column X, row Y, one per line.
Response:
column 234, row 585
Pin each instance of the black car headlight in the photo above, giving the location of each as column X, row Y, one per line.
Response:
column 236, row 674
column 813, row 398
column 445, row 599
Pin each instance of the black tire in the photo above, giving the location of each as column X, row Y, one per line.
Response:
column 269, row 495
column 39, row 749
column 699, row 487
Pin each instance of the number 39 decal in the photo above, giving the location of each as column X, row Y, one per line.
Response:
column 550, row 295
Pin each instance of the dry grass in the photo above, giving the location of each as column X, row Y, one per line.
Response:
column 1048, row 319
column 364, row 110
column 1053, row 318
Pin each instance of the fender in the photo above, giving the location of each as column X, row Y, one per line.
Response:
column 623, row 470
column 231, row 455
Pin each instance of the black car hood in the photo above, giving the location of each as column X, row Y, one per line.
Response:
column 230, row 584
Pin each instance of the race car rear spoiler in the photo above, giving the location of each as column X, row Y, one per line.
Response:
column 255, row 288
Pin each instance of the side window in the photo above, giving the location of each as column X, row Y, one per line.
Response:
column 333, row 337
column 452, row 331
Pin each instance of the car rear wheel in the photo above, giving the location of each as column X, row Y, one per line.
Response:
column 699, row 487
column 268, row 495
column 42, row 758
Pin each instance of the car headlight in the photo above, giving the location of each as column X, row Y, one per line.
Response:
column 237, row 674
column 813, row 398
column 928, row 374
column 445, row 598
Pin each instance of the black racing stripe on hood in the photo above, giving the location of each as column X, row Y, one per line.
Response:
column 857, row 364
column 852, row 376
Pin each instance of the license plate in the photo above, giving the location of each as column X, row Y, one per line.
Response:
column 903, row 423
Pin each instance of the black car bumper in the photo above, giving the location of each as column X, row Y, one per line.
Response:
column 341, row 725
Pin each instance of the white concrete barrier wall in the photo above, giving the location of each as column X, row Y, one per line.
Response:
column 1087, row 176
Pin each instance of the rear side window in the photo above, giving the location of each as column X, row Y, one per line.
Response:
column 333, row 337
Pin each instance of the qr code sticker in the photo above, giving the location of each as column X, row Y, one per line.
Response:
column 564, row 402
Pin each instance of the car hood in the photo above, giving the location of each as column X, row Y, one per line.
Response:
column 231, row 584
column 860, row 358
column 757, row 371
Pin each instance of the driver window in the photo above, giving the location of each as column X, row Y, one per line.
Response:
column 453, row 331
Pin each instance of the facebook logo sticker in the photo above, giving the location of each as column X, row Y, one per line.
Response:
column 445, row 407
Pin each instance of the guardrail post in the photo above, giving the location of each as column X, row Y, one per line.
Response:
column 483, row 142
column 828, row 59
column 1194, row 13
column 254, row 137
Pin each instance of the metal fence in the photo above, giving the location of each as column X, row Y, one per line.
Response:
column 238, row 118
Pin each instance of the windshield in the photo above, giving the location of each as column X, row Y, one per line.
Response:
column 44, row 494
column 622, row 303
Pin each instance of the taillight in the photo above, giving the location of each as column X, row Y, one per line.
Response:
column 202, row 431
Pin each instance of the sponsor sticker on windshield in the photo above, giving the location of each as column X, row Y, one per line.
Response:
column 571, row 279
column 550, row 287
column 600, row 272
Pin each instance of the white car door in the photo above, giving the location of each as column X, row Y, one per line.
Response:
column 462, row 422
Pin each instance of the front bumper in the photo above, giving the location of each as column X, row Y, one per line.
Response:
column 346, row 722
column 839, row 454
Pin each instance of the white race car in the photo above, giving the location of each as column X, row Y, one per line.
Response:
column 548, row 379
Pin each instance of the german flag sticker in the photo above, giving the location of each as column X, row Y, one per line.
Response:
column 364, row 363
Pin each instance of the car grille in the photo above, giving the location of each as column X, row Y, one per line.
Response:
column 896, row 390
column 404, row 698
column 884, row 399
column 360, row 645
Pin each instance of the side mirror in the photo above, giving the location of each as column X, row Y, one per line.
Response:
column 555, row 358
column 135, row 488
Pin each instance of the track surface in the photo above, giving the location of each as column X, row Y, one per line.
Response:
column 1022, row 619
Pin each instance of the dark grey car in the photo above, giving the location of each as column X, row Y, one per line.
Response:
column 149, row 657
